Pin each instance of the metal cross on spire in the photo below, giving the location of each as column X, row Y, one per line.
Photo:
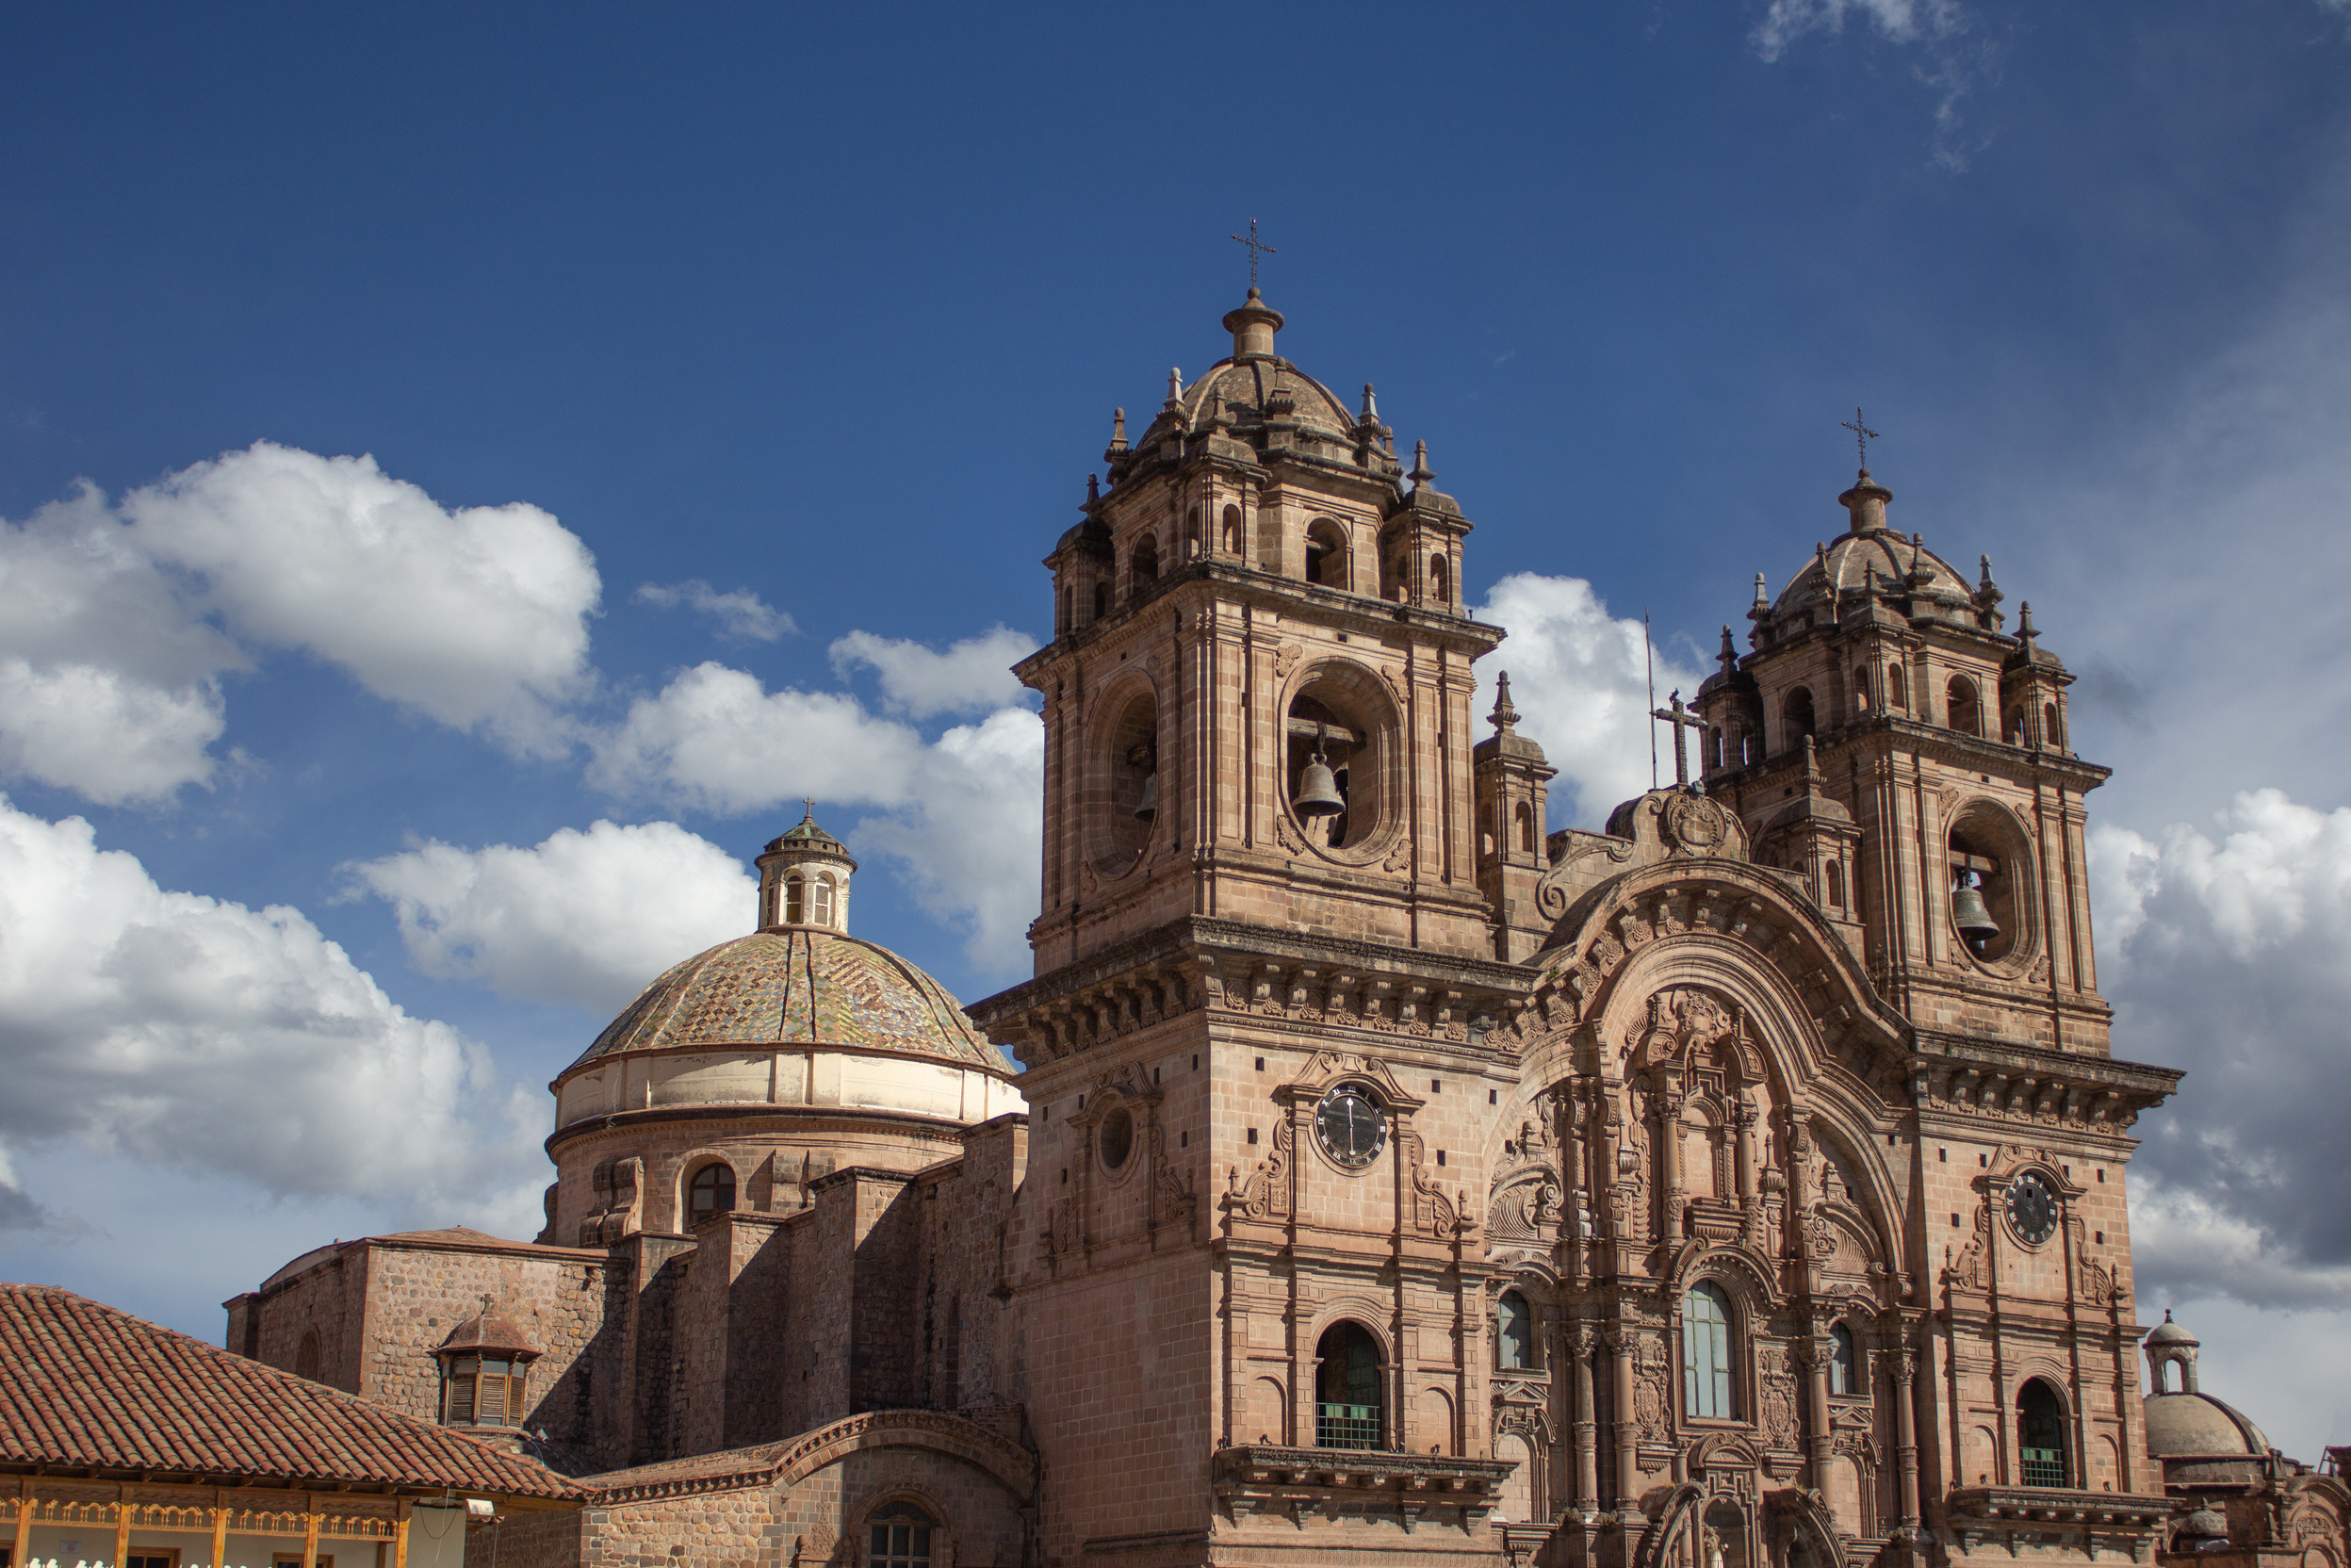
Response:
column 1255, row 245
column 1862, row 435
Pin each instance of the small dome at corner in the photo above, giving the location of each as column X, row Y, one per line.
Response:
column 2168, row 1332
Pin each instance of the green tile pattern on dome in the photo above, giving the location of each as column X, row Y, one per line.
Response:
column 800, row 988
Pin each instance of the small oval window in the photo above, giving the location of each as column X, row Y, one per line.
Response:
column 1118, row 1137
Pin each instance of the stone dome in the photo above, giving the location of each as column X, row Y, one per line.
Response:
column 2184, row 1425
column 1250, row 391
column 1883, row 558
column 805, row 987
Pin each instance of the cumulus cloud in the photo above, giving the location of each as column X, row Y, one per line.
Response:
column 2228, row 954
column 477, row 617
column 716, row 739
column 742, row 615
column 108, row 685
column 962, row 813
column 189, row 1032
column 1578, row 682
column 971, row 677
column 581, row 919
column 972, row 844
column 117, row 622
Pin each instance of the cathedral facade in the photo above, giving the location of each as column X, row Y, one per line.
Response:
column 1382, row 1179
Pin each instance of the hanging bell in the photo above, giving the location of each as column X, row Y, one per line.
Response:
column 1148, row 807
column 1318, row 790
column 1976, row 926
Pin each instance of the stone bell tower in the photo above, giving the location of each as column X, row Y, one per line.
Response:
column 1266, row 969
column 1890, row 742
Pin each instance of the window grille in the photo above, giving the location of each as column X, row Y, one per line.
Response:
column 901, row 1538
column 1707, row 1353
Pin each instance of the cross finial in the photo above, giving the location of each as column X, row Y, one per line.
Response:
column 1682, row 719
column 1862, row 435
column 1255, row 246
column 809, row 802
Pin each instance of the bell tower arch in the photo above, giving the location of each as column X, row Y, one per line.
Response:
column 1199, row 668
column 1266, row 974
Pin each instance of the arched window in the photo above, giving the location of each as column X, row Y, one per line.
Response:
column 1897, row 689
column 900, row 1537
column 795, row 901
column 1714, row 750
column 1233, row 530
column 1192, row 535
column 1962, row 712
column 1101, row 601
column 1144, row 564
column 2041, row 1435
column 1525, row 828
column 1350, row 1400
column 2050, row 737
column 1514, row 1338
column 1707, row 1353
column 711, row 1193
column 1325, row 554
column 1861, row 690
column 821, row 901
column 1842, row 1380
column 1797, row 712
column 306, row 1356
column 1440, row 579
column 1837, row 884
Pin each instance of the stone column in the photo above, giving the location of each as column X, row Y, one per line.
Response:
column 1906, row 1428
column 1627, row 1461
column 1816, row 1353
column 1586, row 1424
column 1668, row 1100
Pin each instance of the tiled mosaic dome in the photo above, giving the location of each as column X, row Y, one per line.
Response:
column 800, row 987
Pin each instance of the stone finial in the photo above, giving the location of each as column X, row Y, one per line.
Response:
column 1763, row 599
column 1728, row 658
column 1421, row 473
column 1503, row 717
column 1093, row 489
column 1987, row 597
column 1865, row 504
column 1371, row 406
column 1175, row 387
column 1812, row 767
column 1252, row 327
column 2026, row 632
column 1118, row 430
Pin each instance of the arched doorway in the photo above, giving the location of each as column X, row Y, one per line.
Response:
column 2041, row 1436
column 1350, row 1403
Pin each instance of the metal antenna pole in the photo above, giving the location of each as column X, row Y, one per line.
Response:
column 1649, row 665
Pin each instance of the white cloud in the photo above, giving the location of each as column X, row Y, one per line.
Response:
column 715, row 740
column 742, row 615
column 477, row 617
column 111, row 659
column 973, row 845
column 1578, row 682
column 107, row 685
column 963, row 814
column 972, row 677
column 187, row 1032
column 582, row 920
column 2230, row 957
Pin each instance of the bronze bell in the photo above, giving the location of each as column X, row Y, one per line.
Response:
column 1148, row 807
column 1317, row 787
column 1976, row 926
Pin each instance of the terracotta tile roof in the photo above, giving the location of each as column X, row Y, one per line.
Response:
column 84, row 1385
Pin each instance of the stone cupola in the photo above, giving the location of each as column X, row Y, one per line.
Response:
column 803, row 878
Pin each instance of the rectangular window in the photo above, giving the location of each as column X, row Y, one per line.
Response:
column 146, row 1556
column 461, row 1398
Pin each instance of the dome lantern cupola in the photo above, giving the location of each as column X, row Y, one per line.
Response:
column 1252, row 327
column 803, row 878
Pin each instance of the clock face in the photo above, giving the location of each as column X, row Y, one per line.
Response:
column 1350, row 1127
column 2032, row 1209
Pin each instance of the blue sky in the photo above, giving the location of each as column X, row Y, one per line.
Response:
column 827, row 314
